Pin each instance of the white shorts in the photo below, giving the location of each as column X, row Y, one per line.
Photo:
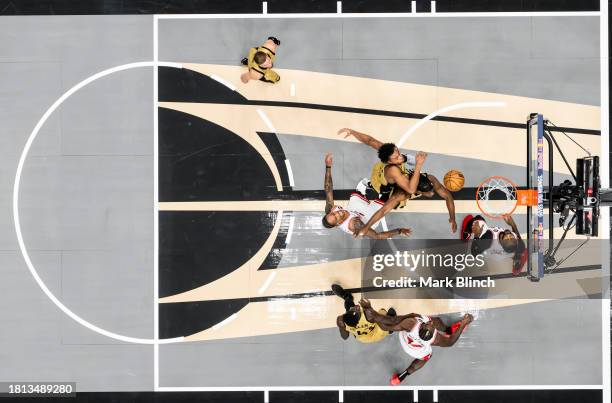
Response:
column 411, row 343
column 421, row 352
column 367, row 208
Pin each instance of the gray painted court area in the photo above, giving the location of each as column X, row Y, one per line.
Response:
column 543, row 57
column 501, row 347
column 87, row 196
column 353, row 162
column 85, row 202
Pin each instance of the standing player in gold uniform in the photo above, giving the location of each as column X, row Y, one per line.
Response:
column 354, row 320
column 260, row 62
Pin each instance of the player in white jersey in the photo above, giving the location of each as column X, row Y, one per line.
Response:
column 417, row 334
column 358, row 211
column 495, row 242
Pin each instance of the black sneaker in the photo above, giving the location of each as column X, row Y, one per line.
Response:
column 341, row 292
column 245, row 61
column 273, row 39
column 391, row 312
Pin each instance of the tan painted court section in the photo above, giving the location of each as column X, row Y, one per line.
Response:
column 295, row 315
column 479, row 142
column 496, row 144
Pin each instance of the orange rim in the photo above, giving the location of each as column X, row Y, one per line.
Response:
column 496, row 217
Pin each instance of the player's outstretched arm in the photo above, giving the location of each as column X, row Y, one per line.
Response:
column 362, row 137
column 386, row 322
column 443, row 341
column 438, row 324
column 328, row 184
column 448, row 198
column 516, row 259
column 510, row 221
column 342, row 327
column 388, row 206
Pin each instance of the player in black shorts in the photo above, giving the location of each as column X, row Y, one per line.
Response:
column 395, row 183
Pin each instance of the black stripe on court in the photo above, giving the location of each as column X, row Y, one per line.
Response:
column 373, row 289
column 278, row 155
column 202, row 161
column 467, row 193
column 192, row 86
column 463, row 6
column 109, row 7
column 199, row 247
column 512, row 396
column 171, row 92
column 301, row 6
column 350, row 396
column 408, row 115
column 187, row 318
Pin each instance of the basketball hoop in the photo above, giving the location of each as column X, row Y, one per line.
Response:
column 508, row 197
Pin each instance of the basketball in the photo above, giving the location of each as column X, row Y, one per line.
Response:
column 454, row 180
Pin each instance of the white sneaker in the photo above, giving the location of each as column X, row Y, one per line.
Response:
column 362, row 186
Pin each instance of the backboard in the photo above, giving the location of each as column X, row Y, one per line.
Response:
column 536, row 180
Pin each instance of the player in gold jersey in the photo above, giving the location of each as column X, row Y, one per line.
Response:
column 354, row 320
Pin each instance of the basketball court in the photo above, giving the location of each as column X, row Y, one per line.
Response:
column 168, row 216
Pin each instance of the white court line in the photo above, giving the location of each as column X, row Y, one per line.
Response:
column 264, row 7
column 368, row 388
column 380, row 15
column 267, row 283
column 340, row 396
column 17, row 221
column 454, row 107
column 413, row 6
column 415, row 396
column 266, row 120
column 290, row 173
column 605, row 183
column 339, row 7
column 383, row 224
column 435, row 395
column 266, row 396
column 155, row 209
column 605, row 91
column 225, row 321
column 222, row 81
column 292, row 89
column 290, row 230
column 433, row 6
column 602, row 14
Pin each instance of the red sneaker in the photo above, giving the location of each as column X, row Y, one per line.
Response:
column 466, row 233
column 395, row 380
column 523, row 259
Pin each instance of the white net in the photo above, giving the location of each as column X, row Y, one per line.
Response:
column 496, row 197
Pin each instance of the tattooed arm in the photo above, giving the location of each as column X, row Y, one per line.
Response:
column 328, row 186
